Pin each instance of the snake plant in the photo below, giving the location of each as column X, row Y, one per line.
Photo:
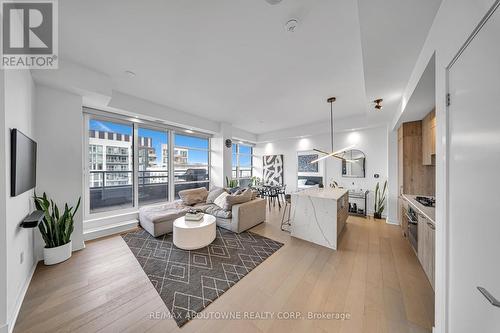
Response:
column 231, row 183
column 55, row 228
column 380, row 200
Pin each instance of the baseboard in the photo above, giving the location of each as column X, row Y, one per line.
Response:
column 109, row 230
column 12, row 322
column 389, row 221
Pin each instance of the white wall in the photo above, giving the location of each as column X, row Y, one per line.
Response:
column 59, row 132
column 372, row 141
column 19, row 113
column 3, row 214
column 454, row 22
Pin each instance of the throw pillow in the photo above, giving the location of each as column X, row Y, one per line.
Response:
column 221, row 199
column 237, row 199
column 214, row 193
column 193, row 196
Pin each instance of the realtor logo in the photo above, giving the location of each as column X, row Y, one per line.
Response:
column 29, row 34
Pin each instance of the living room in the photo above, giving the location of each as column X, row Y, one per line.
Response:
column 248, row 165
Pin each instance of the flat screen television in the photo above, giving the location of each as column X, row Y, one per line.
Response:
column 23, row 163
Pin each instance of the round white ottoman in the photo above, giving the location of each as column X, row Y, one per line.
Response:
column 191, row 235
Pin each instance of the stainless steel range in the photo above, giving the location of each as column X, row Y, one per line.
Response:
column 412, row 228
column 426, row 201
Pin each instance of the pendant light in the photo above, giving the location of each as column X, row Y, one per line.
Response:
column 333, row 153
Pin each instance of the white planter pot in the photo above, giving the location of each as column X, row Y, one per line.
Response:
column 55, row 255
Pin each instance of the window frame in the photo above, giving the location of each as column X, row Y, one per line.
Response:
column 208, row 151
column 238, row 166
column 91, row 113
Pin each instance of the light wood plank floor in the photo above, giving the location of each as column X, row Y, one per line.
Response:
column 374, row 277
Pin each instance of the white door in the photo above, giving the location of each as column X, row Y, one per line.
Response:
column 474, row 182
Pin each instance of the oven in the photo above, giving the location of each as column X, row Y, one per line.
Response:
column 412, row 228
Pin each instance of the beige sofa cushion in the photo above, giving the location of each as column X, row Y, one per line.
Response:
column 221, row 199
column 214, row 193
column 237, row 199
column 193, row 196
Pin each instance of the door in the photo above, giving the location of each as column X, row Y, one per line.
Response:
column 474, row 182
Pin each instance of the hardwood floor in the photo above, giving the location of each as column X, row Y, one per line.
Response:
column 374, row 277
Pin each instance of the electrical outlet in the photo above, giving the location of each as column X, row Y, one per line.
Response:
column 21, row 258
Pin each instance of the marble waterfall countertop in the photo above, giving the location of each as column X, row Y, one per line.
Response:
column 429, row 212
column 325, row 193
column 314, row 215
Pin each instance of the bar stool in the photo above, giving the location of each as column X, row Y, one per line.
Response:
column 285, row 222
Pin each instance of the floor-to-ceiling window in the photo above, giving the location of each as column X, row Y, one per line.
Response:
column 191, row 162
column 242, row 164
column 130, row 161
column 110, row 165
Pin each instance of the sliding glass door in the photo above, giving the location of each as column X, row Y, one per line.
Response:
column 153, row 165
column 191, row 162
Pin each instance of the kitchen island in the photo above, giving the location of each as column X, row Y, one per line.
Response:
column 319, row 215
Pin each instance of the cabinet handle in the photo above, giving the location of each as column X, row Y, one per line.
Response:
column 489, row 297
column 431, row 225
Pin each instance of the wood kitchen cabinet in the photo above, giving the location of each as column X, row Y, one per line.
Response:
column 413, row 176
column 342, row 212
column 429, row 139
column 426, row 246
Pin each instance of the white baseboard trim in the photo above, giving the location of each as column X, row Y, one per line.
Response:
column 109, row 230
column 389, row 221
column 19, row 302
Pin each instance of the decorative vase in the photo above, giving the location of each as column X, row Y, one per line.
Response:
column 377, row 215
column 55, row 255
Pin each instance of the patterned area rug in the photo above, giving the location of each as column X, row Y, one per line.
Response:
column 188, row 281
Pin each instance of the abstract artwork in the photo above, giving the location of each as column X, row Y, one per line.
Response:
column 305, row 164
column 273, row 169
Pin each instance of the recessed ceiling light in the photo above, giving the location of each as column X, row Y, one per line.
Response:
column 189, row 131
column 273, row 2
column 130, row 74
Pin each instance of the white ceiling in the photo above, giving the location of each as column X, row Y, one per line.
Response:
column 233, row 61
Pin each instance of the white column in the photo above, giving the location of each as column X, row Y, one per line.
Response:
column 221, row 156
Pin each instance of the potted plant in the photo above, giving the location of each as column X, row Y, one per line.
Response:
column 379, row 201
column 56, row 229
column 231, row 183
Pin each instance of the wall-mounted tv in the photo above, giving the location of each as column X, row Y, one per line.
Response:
column 22, row 164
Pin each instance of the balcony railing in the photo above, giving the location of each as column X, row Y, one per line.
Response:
column 110, row 190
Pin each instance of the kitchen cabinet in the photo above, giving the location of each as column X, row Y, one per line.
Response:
column 426, row 246
column 413, row 176
column 429, row 139
column 342, row 212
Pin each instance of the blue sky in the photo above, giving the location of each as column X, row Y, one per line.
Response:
column 159, row 138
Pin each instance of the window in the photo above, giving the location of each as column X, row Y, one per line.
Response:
column 110, row 166
column 191, row 162
column 242, row 164
column 131, row 163
column 153, row 165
